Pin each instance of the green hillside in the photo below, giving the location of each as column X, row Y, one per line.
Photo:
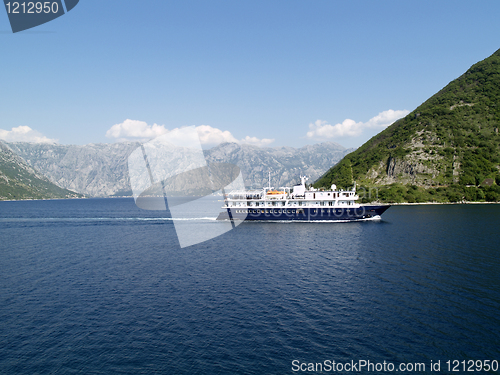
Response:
column 19, row 181
column 446, row 150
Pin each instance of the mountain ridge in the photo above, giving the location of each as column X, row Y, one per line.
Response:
column 101, row 169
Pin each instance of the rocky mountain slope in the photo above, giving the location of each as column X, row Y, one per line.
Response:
column 447, row 149
column 96, row 170
column 101, row 169
column 18, row 180
column 286, row 164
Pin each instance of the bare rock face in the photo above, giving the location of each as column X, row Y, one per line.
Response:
column 100, row 170
column 404, row 170
column 398, row 167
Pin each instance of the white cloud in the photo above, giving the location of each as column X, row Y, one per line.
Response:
column 349, row 128
column 214, row 136
column 24, row 134
column 386, row 118
column 321, row 129
column 256, row 141
column 134, row 130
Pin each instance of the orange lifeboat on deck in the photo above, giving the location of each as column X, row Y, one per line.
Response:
column 275, row 192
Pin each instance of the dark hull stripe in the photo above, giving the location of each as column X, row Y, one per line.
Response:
column 303, row 214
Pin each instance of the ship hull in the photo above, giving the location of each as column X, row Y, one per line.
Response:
column 364, row 212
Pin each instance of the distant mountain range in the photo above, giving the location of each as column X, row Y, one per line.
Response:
column 18, row 180
column 100, row 170
column 447, row 149
column 95, row 170
column 286, row 164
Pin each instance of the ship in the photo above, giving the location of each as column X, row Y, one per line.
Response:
column 299, row 203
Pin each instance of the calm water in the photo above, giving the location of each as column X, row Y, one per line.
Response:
column 99, row 287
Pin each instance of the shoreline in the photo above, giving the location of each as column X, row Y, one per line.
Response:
column 130, row 196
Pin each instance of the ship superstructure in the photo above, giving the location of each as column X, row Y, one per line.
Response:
column 298, row 204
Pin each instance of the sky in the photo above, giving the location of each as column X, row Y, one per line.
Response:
column 269, row 73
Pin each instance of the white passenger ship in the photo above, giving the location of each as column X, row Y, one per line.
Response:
column 298, row 204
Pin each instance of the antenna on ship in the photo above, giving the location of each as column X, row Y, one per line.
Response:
column 269, row 179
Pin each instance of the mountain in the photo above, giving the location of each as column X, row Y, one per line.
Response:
column 20, row 181
column 95, row 170
column 286, row 164
column 447, row 149
column 101, row 169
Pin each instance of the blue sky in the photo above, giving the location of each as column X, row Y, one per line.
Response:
column 273, row 73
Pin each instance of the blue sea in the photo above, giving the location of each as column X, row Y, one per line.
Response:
column 99, row 286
